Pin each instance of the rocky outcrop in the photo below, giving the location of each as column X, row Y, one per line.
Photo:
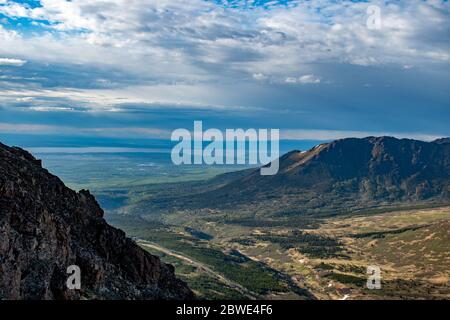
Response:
column 46, row 227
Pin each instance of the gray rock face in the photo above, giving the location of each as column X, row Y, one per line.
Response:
column 46, row 227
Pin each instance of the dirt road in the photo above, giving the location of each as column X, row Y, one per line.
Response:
column 234, row 285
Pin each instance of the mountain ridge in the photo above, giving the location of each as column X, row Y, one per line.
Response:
column 350, row 173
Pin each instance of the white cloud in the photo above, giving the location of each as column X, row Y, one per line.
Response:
column 117, row 99
column 201, row 41
column 260, row 76
column 51, row 109
column 305, row 79
column 291, row 80
column 24, row 99
column 309, row 78
column 12, row 62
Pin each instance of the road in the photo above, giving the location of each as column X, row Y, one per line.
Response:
column 232, row 284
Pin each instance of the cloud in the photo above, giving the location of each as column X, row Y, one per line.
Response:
column 35, row 129
column 153, row 58
column 260, row 76
column 300, row 134
column 51, row 109
column 12, row 62
column 309, row 78
column 20, row 128
column 291, row 80
column 189, row 40
column 306, row 79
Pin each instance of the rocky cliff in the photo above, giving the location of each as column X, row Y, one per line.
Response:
column 46, row 227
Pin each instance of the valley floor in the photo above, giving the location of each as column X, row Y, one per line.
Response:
column 300, row 259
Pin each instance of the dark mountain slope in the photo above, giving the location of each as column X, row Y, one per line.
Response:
column 381, row 167
column 45, row 227
column 442, row 140
column 338, row 176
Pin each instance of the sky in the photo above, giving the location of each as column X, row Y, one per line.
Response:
column 91, row 70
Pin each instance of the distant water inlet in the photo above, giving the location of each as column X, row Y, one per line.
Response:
column 233, row 146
